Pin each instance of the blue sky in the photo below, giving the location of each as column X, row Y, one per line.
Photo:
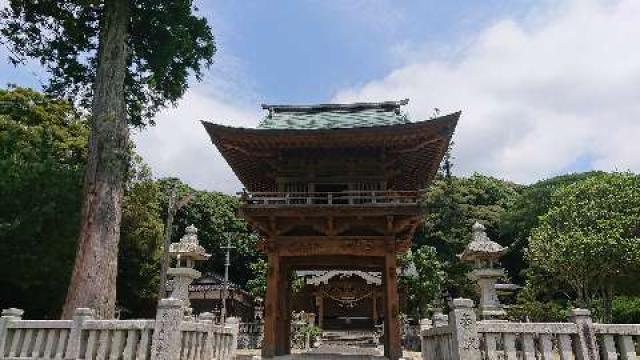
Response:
column 546, row 87
column 306, row 51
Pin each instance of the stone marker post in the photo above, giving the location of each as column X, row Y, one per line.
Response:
column 425, row 324
column 585, row 346
column 7, row 316
column 208, row 318
column 234, row 324
column 464, row 330
column 80, row 315
column 440, row 319
column 166, row 339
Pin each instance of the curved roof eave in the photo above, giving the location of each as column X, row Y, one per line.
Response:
column 449, row 120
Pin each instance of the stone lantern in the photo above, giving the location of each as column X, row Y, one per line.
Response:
column 186, row 252
column 483, row 253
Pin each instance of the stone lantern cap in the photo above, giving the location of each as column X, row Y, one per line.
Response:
column 481, row 247
column 188, row 247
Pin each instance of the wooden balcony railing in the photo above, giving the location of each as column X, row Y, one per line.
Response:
column 349, row 198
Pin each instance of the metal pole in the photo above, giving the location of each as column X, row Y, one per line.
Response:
column 227, row 263
column 164, row 262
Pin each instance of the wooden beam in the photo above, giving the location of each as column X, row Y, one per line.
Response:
column 315, row 246
column 420, row 145
column 294, row 211
column 335, row 262
column 331, row 231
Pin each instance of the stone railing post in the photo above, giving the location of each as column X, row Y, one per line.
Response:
column 425, row 324
column 208, row 318
column 464, row 330
column 440, row 319
column 234, row 324
column 7, row 316
column 585, row 346
column 80, row 315
column 166, row 340
column 260, row 334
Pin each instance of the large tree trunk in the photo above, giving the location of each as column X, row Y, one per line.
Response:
column 93, row 281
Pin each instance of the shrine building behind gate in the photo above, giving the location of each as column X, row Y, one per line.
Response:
column 333, row 187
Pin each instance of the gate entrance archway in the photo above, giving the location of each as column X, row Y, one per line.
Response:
column 378, row 162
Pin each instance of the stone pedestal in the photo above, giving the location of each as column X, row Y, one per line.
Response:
column 490, row 307
column 182, row 278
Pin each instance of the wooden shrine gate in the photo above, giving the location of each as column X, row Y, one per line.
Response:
column 366, row 255
column 333, row 186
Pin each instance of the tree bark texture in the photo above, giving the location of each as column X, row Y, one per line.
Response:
column 93, row 281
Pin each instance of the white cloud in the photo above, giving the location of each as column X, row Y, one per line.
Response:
column 535, row 99
column 178, row 146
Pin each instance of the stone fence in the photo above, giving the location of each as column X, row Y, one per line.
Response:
column 462, row 337
column 251, row 335
column 170, row 336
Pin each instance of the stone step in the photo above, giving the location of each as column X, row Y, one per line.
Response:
column 359, row 339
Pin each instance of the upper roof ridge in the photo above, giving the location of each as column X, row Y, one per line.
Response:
column 333, row 107
column 333, row 116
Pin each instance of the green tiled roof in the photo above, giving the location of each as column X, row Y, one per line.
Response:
column 333, row 116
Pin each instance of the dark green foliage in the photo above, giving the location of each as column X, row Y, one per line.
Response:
column 626, row 310
column 589, row 239
column 538, row 311
column 257, row 285
column 167, row 43
column 425, row 285
column 140, row 249
column 42, row 158
column 523, row 216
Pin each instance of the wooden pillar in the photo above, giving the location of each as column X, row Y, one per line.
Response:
column 374, row 300
column 271, row 306
column 320, row 305
column 392, row 345
column 283, row 314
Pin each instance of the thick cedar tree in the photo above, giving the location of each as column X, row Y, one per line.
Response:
column 123, row 60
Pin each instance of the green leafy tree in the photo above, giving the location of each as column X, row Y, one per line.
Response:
column 590, row 237
column 425, row 285
column 522, row 216
column 626, row 310
column 42, row 159
column 257, row 285
column 127, row 59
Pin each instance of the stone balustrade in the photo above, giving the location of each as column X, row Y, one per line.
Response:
column 465, row 338
column 170, row 336
column 250, row 335
column 437, row 342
